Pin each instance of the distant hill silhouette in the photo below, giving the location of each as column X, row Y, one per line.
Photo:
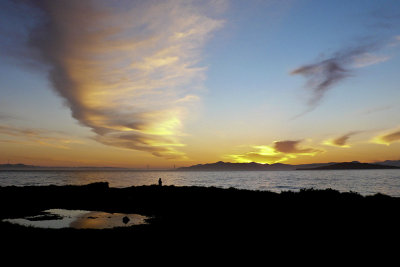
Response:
column 355, row 165
column 228, row 166
column 20, row 166
column 16, row 166
column 389, row 163
column 225, row 166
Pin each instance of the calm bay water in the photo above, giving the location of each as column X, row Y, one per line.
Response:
column 365, row 182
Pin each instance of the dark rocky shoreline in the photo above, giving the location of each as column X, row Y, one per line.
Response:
column 192, row 215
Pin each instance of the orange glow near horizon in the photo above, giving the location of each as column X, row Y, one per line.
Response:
column 89, row 153
column 38, row 147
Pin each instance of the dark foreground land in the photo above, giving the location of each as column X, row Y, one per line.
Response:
column 188, row 216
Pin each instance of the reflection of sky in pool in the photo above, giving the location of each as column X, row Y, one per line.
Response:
column 79, row 219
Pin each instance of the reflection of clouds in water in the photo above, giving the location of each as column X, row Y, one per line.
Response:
column 79, row 219
column 101, row 220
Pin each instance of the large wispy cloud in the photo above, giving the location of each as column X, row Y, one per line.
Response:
column 129, row 70
column 278, row 152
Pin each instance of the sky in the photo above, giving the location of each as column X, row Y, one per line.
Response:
column 176, row 83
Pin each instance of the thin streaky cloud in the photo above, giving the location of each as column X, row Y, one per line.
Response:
column 8, row 117
column 368, row 59
column 29, row 136
column 376, row 109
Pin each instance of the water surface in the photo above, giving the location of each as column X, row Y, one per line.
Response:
column 79, row 219
column 365, row 182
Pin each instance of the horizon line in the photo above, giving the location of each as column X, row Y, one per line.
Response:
column 175, row 167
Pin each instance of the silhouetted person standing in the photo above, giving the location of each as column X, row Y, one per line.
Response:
column 159, row 182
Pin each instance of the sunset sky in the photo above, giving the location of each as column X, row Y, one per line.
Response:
column 164, row 83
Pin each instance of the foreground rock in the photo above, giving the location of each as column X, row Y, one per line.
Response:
column 194, row 214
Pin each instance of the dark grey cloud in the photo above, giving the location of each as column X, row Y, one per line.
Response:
column 322, row 75
column 292, row 147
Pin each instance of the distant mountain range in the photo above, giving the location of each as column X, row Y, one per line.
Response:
column 227, row 166
column 389, row 163
column 21, row 166
column 351, row 166
column 16, row 166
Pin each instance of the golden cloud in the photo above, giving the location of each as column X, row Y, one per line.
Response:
column 279, row 152
column 387, row 138
column 128, row 71
column 340, row 141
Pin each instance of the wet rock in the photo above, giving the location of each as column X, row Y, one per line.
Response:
column 125, row 220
